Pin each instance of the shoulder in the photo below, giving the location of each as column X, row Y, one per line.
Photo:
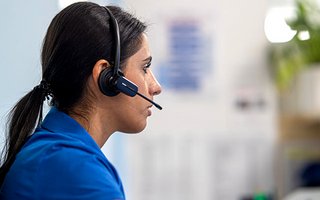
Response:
column 77, row 171
column 58, row 170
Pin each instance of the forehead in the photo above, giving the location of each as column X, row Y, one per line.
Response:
column 143, row 52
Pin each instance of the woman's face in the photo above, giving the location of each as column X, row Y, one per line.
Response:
column 132, row 112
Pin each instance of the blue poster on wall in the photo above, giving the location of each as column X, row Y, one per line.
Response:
column 188, row 60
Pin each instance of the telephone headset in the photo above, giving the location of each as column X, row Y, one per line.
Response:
column 111, row 80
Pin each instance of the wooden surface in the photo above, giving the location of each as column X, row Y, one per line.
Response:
column 298, row 128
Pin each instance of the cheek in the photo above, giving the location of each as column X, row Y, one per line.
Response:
column 142, row 84
column 139, row 81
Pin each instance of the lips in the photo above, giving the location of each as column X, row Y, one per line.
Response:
column 149, row 110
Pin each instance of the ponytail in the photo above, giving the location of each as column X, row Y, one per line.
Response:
column 24, row 117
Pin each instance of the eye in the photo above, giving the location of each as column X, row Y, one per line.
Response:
column 146, row 66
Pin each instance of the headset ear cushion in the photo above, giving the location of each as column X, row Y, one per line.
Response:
column 107, row 83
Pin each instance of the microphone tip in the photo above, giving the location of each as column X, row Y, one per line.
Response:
column 158, row 106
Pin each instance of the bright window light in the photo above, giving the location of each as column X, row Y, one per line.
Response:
column 275, row 27
column 65, row 3
column 304, row 35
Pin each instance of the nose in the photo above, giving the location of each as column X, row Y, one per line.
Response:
column 155, row 87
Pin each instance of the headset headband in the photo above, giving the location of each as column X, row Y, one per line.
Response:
column 116, row 67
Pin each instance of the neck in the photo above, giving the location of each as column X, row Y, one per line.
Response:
column 92, row 122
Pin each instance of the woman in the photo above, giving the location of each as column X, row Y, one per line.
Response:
column 60, row 157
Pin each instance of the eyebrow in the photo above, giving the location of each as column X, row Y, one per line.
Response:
column 149, row 59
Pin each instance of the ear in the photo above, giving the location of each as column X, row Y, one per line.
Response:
column 97, row 69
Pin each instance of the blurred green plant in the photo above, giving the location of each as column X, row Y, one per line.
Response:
column 288, row 59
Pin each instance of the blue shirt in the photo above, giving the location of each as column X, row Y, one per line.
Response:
column 61, row 161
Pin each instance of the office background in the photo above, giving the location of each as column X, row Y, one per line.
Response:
column 218, row 134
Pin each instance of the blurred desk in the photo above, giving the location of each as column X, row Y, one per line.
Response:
column 299, row 146
column 295, row 127
column 304, row 194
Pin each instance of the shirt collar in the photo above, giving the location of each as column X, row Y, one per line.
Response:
column 59, row 122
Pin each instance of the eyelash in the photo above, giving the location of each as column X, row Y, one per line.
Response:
column 146, row 67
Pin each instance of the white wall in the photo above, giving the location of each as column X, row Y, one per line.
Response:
column 202, row 145
column 23, row 25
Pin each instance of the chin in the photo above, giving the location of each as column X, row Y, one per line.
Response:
column 136, row 128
